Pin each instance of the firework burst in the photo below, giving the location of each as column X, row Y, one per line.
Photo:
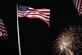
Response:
column 68, row 42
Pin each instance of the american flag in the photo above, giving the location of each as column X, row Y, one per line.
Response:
column 78, row 6
column 42, row 14
column 3, row 31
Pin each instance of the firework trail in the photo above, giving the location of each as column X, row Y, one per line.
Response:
column 68, row 42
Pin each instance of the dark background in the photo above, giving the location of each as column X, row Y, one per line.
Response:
column 9, row 45
column 63, row 15
column 36, row 37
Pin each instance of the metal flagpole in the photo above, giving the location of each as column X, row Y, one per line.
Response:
column 19, row 46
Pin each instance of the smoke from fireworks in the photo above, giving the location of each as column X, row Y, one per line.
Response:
column 68, row 42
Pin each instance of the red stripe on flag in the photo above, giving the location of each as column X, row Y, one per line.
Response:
column 42, row 14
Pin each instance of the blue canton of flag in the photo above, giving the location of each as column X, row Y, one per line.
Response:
column 23, row 8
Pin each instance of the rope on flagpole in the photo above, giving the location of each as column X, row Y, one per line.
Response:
column 19, row 46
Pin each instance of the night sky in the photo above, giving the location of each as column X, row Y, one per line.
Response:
column 36, row 36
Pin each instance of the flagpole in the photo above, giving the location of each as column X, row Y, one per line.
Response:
column 19, row 46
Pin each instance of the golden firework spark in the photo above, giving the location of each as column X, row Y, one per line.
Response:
column 68, row 41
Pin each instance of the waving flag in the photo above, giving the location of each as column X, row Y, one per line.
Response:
column 31, row 13
column 42, row 14
column 78, row 5
column 3, row 31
